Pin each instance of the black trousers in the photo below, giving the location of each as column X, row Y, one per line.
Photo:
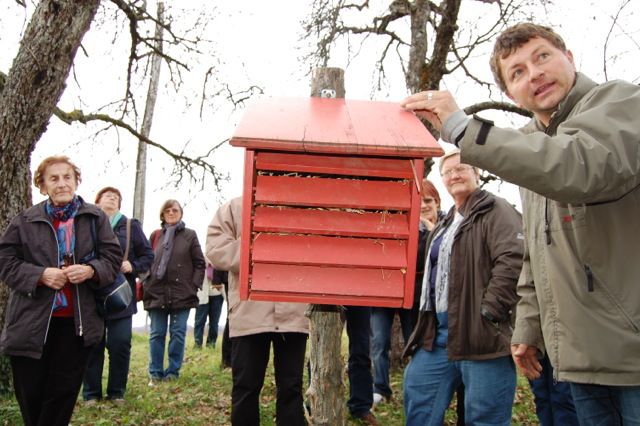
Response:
column 47, row 388
column 249, row 359
column 226, row 341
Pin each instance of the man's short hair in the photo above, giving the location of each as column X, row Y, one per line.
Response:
column 514, row 37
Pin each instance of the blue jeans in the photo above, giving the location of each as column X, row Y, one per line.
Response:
column 177, row 319
column 381, row 322
column 431, row 378
column 607, row 405
column 360, row 378
column 117, row 340
column 211, row 311
column 554, row 404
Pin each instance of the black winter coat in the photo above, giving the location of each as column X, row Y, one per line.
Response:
column 185, row 274
column 27, row 248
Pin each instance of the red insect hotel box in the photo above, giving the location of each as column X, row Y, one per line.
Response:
column 331, row 201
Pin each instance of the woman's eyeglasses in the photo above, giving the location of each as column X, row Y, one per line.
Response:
column 459, row 169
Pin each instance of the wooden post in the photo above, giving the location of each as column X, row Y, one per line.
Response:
column 152, row 94
column 326, row 390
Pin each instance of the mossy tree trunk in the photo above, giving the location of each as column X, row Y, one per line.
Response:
column 28, row 96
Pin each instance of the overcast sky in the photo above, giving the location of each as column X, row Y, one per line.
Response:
column 259, row 44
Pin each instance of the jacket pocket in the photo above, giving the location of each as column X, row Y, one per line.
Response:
column 562, row 216
column 13, row 308
column 594, row 286
column 491, row 337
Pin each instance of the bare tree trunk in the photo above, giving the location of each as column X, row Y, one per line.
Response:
column 152, row 95
column 326, row 390
column 32, row 89
column 397, row 345
column 416, row 66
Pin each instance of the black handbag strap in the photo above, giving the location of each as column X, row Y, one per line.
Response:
column 126, row 250
column 94, row 238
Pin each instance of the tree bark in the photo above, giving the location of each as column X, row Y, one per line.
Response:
column 152, row 95
column 397, row 345
column 326, row 390
column 32, row 89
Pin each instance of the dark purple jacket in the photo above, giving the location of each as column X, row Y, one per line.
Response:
column 185, row 274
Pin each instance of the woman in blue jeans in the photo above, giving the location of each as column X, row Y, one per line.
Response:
column 210, row 307
column 117, row 336
column 463, row 333
column 171, row 290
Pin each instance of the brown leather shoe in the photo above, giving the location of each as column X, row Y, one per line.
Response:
column 369, row 419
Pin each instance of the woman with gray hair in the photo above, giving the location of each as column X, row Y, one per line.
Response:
column 463, row 333
column 171, row 290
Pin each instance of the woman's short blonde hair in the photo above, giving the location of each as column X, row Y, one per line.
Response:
column 454, row 152
column 449, row 154
column 168, row 204
column 38, row 177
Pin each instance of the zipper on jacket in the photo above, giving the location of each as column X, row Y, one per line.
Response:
column 547, row 231
column 589, row 272
column 77, row 290
column 46, row 332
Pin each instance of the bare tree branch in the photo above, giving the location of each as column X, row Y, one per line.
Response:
column 183, row 162
column 614, row 23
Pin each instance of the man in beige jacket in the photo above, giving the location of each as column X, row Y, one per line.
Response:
column 578, row 164
column 253, row 328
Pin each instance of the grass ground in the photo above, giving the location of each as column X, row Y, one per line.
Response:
column 202, row 396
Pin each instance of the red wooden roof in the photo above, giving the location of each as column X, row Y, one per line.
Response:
column 334, row 126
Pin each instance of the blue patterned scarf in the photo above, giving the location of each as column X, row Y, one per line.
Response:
column 65, row 232
column 66, row 239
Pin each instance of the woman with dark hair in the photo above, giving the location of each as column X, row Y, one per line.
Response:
column 53, row 256
column 171, row 290
column 117, row 339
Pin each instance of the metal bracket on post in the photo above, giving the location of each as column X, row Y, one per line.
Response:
column 327, row 93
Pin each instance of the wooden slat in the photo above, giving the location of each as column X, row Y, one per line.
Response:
column 342, row 193
column 319, row 299
column 412, row 243
column 329, row 251
column 347, row 282
column 331, row 222
column 336, row 165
